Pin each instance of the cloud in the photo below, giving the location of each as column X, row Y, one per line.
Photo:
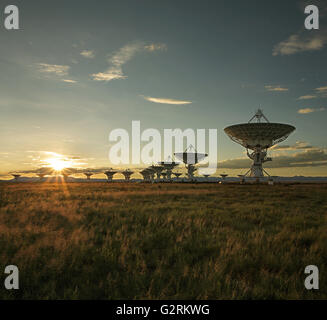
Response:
column 310, row 110
column 313, row 157
column 69, row 80
column 321, row 90
column 121, row 57
column 299, row 145
column 301, row 42
column 111, row 74
column 307, row 97
column 54, row 69
column 276, row 88
column 88, row 54
column 155, row 47
column 167, row 101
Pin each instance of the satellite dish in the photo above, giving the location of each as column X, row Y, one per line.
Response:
column 157, row 170
column 190, row 158
column 190, row 155
column 16, row 176
column 127, row 174
column 258, row 136
column 88, row 175
column 168, row 165
column 148, row 174
column 223, row 177
column 110, row 173
column 177, row 175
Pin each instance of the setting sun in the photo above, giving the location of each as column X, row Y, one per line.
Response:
column 58, row 164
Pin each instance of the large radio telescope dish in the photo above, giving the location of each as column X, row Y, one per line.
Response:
column 259, row 136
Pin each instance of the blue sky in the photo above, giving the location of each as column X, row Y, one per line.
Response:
column 77, row 70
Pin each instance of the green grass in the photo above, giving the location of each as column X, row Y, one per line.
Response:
column 162, row 241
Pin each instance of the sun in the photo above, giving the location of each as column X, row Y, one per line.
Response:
column 58, row 164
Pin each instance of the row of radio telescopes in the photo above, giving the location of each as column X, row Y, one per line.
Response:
column 153, row 173
column 256, row 136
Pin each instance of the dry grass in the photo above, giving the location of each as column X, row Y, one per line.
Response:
column 163, row 241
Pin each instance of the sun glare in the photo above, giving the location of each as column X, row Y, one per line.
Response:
column 58, row 164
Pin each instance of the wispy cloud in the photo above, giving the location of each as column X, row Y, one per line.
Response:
column 310, row 110
column 322, row 89
column 314, row 157
column 320, row 92
column 299, row 145
column 167, row 101
column 307, row 97
column 69, row 80
column 155, row 47
column 88, row 54
column 53, row 69
column 276, row 88
column 301, row 42
column 121, row 57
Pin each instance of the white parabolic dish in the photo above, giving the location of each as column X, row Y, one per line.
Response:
column 190, row 157
column 263, row 135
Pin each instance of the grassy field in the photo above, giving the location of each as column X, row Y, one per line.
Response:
column 162, row 241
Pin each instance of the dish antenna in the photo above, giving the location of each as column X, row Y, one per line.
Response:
column 88, row 175
column 177, row 175
column 258, row 137
column 190, row 158
column 145, row 174
column 16, row 176
column 223, row 177
column 110, row 173
column 168, row 165
column 148, row 174
column 127, row 174
column 157, row 170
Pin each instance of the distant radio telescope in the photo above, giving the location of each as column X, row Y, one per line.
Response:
column 190, row 157
column 148, row 174
column 16, row 176
column 110, row 173
column 177, row 175
column 157, row 170
column 168, row 165
column 258, row 137
column 88, row 175
column 127, row 174
column 223, row 177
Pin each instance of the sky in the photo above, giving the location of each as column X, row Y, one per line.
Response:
column 77, row 70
